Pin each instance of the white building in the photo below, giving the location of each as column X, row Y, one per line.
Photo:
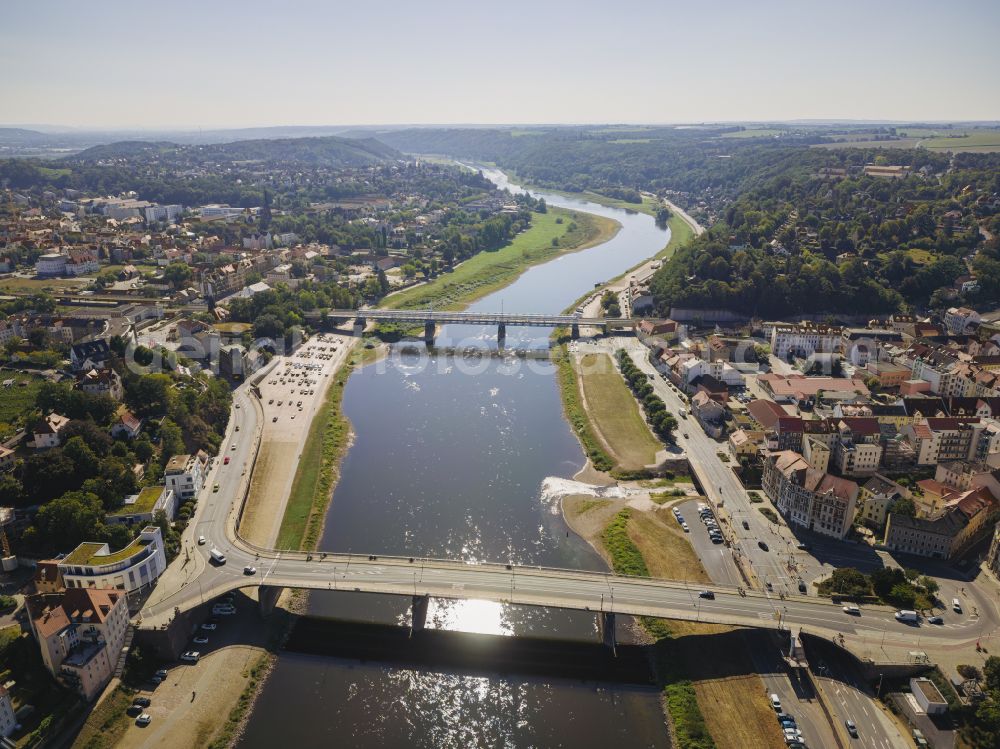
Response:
column 8, row 721
column 80, row 633
column 807, row 497
column 958, row 319
column 51, row 264
column 167, row 213
column 804, row 339
column 142, row 507
column 46, row 432
column 184, row 475
column 133, row 569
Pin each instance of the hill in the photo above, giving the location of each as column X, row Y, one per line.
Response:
column 328, row 151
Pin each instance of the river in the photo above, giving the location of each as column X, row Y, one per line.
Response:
column 448, row 461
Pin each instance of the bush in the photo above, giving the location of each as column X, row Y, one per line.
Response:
column 769, row 514
column 755, row 497
column 626, row 559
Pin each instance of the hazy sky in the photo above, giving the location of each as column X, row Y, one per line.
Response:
column 220, row 63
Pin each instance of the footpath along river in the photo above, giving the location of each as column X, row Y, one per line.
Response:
column 448, row 461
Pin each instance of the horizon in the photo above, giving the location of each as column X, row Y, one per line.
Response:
column 446, row 64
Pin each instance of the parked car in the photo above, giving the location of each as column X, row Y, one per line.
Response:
column 191, row 656
column 162, row 673
column 776, row 702
column 143, row 720
column 802, row 586
column 200, row 640
column 209, row 627
column 142, row 701
column 746, row 525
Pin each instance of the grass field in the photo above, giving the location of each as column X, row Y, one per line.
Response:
column 15, row 285
column 486, row 272
column 16, row 402
column 576, row 414
column 712, row 702
column 615, row 414
column 974, row 141
column 763, row 132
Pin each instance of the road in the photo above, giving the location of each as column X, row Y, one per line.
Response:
column 850, row 698
column 875, row 634
column 798, row 698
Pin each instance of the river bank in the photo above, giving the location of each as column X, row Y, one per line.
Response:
column 711, row 702
column 557, row 232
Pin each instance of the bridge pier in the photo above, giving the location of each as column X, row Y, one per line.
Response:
column 267, row 598
column 418, row 614
column 501, row 335
column 430, row 327
column 359, row 326
column 574, row 331
column 606, row 626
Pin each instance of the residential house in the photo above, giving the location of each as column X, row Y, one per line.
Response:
column 8, row 720
column 90, row 355
column 709, row 413
column 184, row 475
column 46, row 432
column 142, row 507
column 80, row 633
column 101, row 382
column 128, row 425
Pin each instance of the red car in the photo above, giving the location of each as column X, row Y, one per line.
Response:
column 226, row 461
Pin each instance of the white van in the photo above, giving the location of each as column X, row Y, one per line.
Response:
column 905, row 615
column 217, row 556
column 956, row 605
column 776, row 702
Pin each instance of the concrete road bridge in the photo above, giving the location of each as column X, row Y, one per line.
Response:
column 431, row 319
column 186, row 590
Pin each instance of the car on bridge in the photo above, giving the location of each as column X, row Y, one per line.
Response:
column 707, row 594
column 851, row 728
column 249, row 570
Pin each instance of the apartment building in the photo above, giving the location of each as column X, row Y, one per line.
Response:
column 804, row 339
column 184, row 476
column 80, row 633
column 132, row 570
column 807, row 497
column 875, row 497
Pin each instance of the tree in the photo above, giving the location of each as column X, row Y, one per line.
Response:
column 991, row 673
column 66, row 522
column 177, row 274
column 149, row 395
column 903, row 506
column 850, row 582
column 268, row 326
column 171, row 440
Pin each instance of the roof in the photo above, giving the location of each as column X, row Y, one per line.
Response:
column 95, row 554
column 795, row 384
column 96, row 349
column 177, row 463
column 881, row 485
column 51, row 424
column 765, row 412
column 140, row 503
column 52, row 613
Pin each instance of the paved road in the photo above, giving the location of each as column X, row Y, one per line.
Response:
column 717, row 559
column 850, row 698
column 875, row 633
column 797, row 695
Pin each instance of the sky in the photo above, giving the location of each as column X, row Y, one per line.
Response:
column 225, row 63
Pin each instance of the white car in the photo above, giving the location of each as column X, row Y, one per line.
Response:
column 191, row 656
column 144, row 720
column 201, row 540
column 249, row 570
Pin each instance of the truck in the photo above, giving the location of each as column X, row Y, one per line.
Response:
column 908, row 616
column 217, row 556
